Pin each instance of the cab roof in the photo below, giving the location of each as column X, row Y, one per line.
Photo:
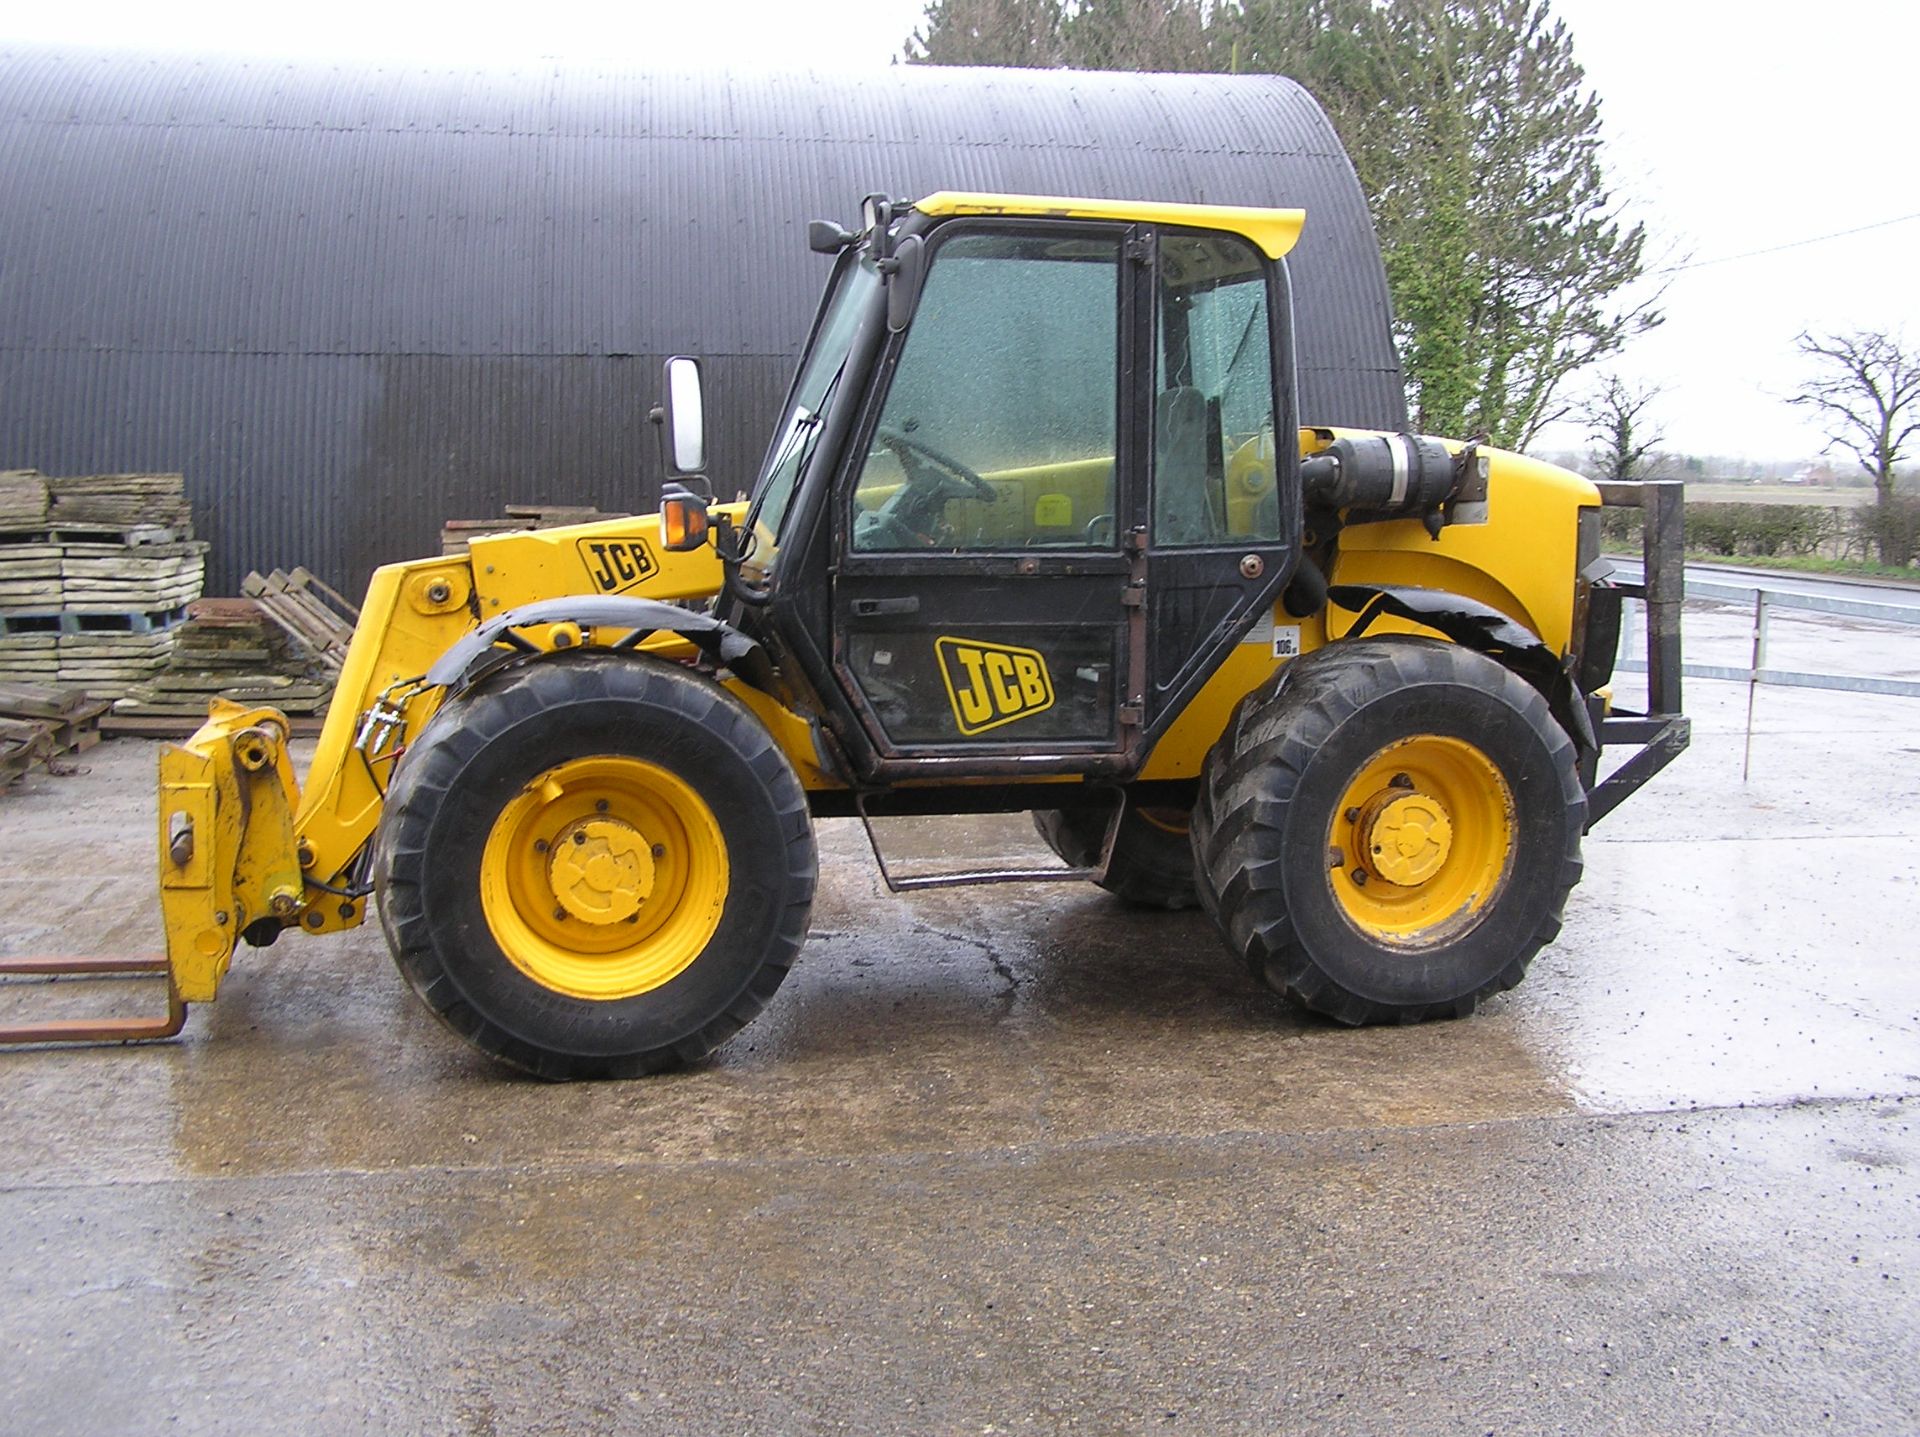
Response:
column 1273, row 231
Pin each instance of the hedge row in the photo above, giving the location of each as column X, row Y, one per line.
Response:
column 1766, row 530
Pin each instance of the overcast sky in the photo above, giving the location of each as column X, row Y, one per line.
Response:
column 1733, row 127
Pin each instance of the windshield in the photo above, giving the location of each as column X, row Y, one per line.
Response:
column 799, row 429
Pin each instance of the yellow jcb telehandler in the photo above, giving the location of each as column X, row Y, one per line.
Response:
column 1039, row 529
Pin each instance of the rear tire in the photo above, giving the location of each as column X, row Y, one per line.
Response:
column 595, row 866
column 1152, row 863
column 1437, row 776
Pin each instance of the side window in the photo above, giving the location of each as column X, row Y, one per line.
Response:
column 1213, row 473
column 998, row 430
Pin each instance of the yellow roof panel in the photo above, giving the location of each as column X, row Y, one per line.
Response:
column 1274, row 231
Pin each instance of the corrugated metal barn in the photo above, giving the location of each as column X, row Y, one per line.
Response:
column 350, row 301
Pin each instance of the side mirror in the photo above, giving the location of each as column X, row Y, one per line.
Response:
column 682, row 413
column 826, row 237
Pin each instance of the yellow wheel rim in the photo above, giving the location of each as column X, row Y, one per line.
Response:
column 604, row 877
column 1167, row 820
column 1421, row 842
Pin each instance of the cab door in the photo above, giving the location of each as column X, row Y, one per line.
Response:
column 982, row 569
column 1225, row 522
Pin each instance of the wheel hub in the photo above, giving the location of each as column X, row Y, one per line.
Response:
column 600, row 870
column 1405, row 837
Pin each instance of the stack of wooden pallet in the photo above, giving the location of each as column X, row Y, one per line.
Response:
column 94, row 574
column 228, row 649
column 29, row 656
column 39, row 723
column 23, row 511
column 456, row 533
column 140, row 569
column 22, row 745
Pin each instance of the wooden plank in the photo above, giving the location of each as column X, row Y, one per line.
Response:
column 40, row 701
column 300, row 578
column 311, row 624
column 23, row 498
column 291, row 617
column 172, row 682
column 23, row 743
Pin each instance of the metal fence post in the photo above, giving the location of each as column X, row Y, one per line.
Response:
column 1753, row 676
column 1664, row 558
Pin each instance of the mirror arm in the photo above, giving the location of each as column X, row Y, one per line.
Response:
column 727, row 542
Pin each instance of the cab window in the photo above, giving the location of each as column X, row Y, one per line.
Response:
column 1213, row 480
column 998, row 429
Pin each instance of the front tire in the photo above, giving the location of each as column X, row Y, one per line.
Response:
column 1389, row 830
column 595, row 866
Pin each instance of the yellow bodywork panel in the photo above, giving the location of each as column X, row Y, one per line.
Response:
column 1522, row 561
column 792, row 731
column 415, row 612
column 1273, row 232
column 1183, row 748
column 412, row 614
column 613, row 556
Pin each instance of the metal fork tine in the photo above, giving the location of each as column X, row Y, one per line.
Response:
column 93, row 1030
column 83, row 967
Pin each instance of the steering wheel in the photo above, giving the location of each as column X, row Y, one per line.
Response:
column 903, row 444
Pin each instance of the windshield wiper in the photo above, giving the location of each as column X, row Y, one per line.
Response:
column 802, row 436
column 815, row 423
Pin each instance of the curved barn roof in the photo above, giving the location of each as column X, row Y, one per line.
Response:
column 352, row 300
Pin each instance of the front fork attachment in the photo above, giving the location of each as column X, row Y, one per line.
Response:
column 228, row 858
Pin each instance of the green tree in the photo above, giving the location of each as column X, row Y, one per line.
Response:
column 1024, row 33
column 1478, row 143
column 1137, row 35
column 1511, row 266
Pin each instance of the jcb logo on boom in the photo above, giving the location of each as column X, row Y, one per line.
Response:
column 616, row 564
column 992, row 684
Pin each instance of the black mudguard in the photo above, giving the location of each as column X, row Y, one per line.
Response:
column 497, row 642
column 1475, row 625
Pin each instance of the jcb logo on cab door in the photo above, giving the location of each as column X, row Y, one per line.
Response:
column 616, row 564
column 992, row 684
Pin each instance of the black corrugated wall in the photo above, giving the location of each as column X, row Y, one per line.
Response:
column 352, row 301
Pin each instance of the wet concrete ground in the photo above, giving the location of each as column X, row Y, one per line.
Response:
column 1025, row 1160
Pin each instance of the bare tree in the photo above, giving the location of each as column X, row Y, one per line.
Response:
column 1867, row 396
column 1623, row 438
